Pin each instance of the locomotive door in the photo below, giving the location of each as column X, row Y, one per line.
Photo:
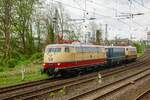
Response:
column 78, row 54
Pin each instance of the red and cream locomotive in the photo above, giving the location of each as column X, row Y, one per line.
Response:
column 64, row 57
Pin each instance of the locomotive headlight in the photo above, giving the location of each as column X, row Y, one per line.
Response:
column 44, row 64
column 58, row 64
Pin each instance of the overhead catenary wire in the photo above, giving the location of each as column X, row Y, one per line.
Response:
column 142, row 5
column 78, row 8
column 100, row 5
column 101, row 15
column 98, row 14
column 114, row 9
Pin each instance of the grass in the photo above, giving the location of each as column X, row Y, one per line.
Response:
column 139, row 54
column 13, row 76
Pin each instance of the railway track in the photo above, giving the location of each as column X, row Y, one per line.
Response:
column 71, row 84
column 100, row 92
column 32, row 89
column 144, row 96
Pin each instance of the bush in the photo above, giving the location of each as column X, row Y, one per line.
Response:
column 1, row 69
column 11, row 63
column 17, row 59
column 16, row 55
column 36, row 56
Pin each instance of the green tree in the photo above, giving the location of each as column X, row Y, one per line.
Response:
column 50, row 34
column 16, row 28
column 138, row 47
column 5, row 26
column 23, row 24
column 98, row 37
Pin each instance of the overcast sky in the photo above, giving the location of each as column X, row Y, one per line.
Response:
column 106, row 12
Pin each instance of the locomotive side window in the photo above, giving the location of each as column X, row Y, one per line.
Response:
column 53, row 50
column 57, row 49
column 67, row 49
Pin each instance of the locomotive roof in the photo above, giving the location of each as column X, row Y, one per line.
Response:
column 130, row 47
column 119, row 47
column 84, row 45
column 74, row 45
